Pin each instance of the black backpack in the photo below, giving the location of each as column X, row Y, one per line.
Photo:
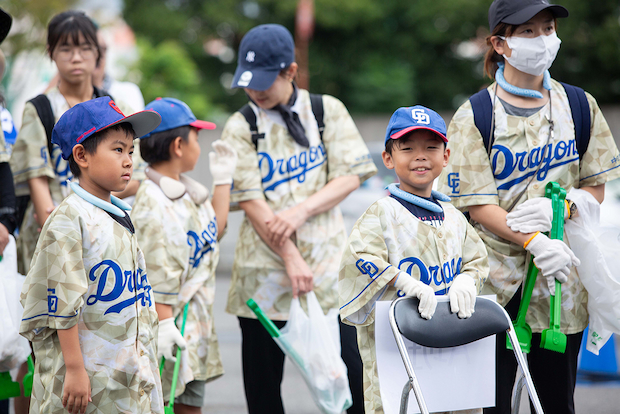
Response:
column 316, row 102
column 44, row 110
column 483, row 110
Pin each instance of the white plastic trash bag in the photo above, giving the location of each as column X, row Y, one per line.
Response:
column 313, row 343
column 598, row 250
column 14, row 348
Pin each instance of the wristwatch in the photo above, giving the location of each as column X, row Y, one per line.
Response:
column 572, row 208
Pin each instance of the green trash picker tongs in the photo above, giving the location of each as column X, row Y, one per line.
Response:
column 169, row 409
column 552, row 339
column 11, row 389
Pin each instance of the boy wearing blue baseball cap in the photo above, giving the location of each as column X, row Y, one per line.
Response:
column 179, row 228
column 87, row 301
column 410, row 243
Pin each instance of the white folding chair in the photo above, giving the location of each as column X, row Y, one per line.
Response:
column 446, row 330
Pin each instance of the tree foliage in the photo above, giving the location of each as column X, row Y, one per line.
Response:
column 378, row 55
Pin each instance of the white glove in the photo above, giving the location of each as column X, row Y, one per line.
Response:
column 422, row 291
column 222, row 163
column 169, row 336
column 553, row 258
column 463, row 295
column 534, row 215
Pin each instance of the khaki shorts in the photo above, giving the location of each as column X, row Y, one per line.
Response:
column 193, row 395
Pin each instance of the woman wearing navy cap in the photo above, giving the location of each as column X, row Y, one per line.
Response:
column 499, row 170
column 300, row 155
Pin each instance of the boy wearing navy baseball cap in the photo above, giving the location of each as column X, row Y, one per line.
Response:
column 88, row 308
column 410, row 243
column 179, row 228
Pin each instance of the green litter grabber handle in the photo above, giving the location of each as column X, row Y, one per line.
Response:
column 553, row 339
column 523, row 331
column 275, row 332
column 169, row 409
column 11, row 389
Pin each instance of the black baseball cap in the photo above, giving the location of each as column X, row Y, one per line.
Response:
column 5, row 24
column 520, row 11
column 264, row 51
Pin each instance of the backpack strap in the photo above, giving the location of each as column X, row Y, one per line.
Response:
column 483, row 114
column 44, row 110
column 101, row 92
column 249, row 115
column 580, row 109
column 316, row 102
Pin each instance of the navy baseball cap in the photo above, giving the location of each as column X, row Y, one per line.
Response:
column 520, row 11
column 174, row 113
column 408, row 119
column 90, row 117
column 264, row 51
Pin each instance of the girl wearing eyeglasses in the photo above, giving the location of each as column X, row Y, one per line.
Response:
column 38, row 168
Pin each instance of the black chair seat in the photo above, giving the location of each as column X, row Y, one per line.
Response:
column 446, row 329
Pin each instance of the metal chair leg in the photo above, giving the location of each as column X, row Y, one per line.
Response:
column 404, row 399
column 525, row 371
column 516, row 393
column 413, row 381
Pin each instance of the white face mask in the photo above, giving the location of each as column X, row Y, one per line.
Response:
column 533, row 55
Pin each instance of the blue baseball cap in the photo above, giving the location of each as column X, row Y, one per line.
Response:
column 90, row 117
column 408, row 119
column 264, row 51
column 174, row 113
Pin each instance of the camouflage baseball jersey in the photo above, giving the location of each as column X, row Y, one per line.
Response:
column 285, row 174
column 88, row 270
column 474, row 178
column 386, row 240
column 179, row 239
column 31, row 159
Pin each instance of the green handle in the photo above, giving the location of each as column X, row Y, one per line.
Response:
column 264, row 320
column 528, row 288
column 557, row 233
column 177, row 363
column 552, row 191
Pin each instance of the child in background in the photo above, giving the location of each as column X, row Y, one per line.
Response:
column 179, row 228
column 87, row 301
column 411, row 243
column 38, row 167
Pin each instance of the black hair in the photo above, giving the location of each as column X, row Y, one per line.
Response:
column 156, row 147
column 69, row 25
column 391, row 143
column 91, row 143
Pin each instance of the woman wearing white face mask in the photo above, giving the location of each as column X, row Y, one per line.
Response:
column 507, row 142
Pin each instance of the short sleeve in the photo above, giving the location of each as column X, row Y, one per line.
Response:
column 365, row 270
column 468, row 178
column 347, row 153
column 601, row 162
column 247, row 177
column 53, row 292
column 163, row 271
column 30, row 156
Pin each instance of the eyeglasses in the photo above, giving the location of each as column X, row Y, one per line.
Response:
column 65, row 53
